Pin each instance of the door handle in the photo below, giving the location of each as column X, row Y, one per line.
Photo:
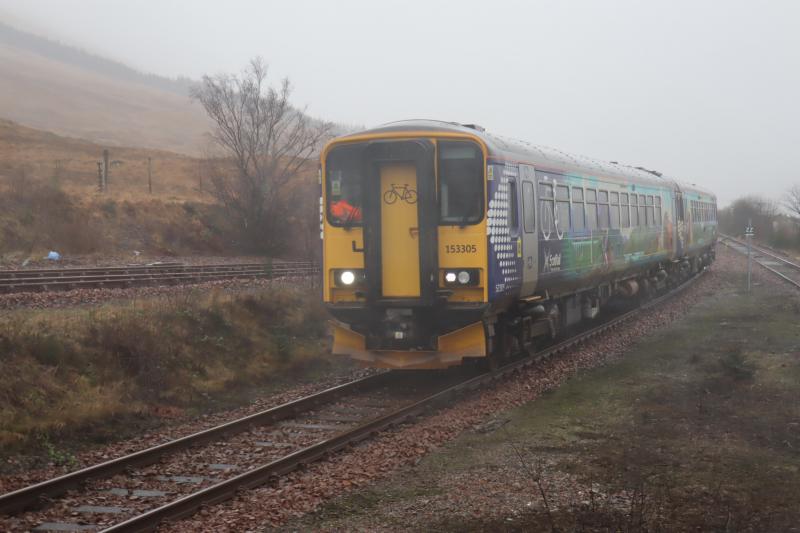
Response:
column 413, row 232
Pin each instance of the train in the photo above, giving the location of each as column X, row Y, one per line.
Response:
column 444, row 244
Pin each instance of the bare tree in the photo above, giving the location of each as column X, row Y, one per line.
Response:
column 266, row 142
column 792, row 200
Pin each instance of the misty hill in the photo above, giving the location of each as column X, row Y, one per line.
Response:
column 54, row 87
column 13, row 37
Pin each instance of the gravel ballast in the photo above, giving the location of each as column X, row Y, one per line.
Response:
column 305, row 491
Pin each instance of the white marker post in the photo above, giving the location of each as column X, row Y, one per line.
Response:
column 748, row 233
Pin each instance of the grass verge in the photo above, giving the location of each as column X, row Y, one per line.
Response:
column 696, row 429
column 88, row 374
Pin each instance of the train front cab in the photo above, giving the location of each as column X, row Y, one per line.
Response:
column 404, row 248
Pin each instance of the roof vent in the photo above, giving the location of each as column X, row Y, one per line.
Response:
column 474, row 127
column 653, row 172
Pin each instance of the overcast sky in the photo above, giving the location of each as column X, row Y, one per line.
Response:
column 705, row 91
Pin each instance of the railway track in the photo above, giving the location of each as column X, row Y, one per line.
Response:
column 787, row 270
column 139, row 491
column 133, row 276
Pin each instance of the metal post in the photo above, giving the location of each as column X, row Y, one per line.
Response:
column 149, row 176
column 749, row 262
column 105, row 169
column 100, row 176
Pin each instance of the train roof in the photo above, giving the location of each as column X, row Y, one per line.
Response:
column 540, row 156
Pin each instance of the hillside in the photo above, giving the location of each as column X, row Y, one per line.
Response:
column 71, row 164
column 50, row 86
column 49, row 201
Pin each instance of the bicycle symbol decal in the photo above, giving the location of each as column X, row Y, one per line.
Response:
column 401, row 193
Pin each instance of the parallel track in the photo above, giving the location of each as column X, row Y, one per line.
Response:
column 32, row 280
column 306, row 408
column 787, row 270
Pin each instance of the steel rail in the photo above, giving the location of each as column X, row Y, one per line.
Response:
column 224, row 490
column 764, row 251
column 39, row 272
column 781, row 275
column 27, row 497
column 80, row 279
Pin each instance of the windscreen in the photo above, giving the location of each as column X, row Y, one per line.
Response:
column 344, row 184
column 460, row 183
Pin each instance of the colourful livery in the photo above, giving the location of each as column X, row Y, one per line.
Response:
column 443, row 243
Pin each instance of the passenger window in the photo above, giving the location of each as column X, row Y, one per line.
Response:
column 602, row 209
column 546, row 211
column 634, row 211
column 591, row 209
column 614, row 210
column 562, row 200
column 528, row 210
column 614, row 216
column 642, row 211
column 651, row 219
column 578, row 215
column 659, row 220
column 626, row 218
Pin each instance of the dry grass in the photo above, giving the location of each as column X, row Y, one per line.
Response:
column 72, row 165
column 69, row 371
column 49, row 200
column 60, row 97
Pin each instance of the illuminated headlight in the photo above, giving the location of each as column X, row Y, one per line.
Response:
column 348, row 277
column 462, row 277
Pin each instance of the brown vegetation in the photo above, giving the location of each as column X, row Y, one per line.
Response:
column 267, row 148
column 65, row 98
column 771, row 226
column 86, row 372
column 49, row 200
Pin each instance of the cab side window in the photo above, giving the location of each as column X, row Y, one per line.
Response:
column 528, row 207
column 513, row 217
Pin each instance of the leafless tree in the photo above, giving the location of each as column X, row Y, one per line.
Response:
column 792, row 200
column 266, row 143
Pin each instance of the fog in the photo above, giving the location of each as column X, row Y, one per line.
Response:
column 704, row 91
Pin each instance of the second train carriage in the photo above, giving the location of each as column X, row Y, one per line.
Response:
column 442, row 242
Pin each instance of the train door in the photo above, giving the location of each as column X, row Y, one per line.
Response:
column 399, row 231
column 530, row 242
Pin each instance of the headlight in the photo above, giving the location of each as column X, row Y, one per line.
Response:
column 348, row 277
column 462, row 277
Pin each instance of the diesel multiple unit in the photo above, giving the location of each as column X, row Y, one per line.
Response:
column 442, row 242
